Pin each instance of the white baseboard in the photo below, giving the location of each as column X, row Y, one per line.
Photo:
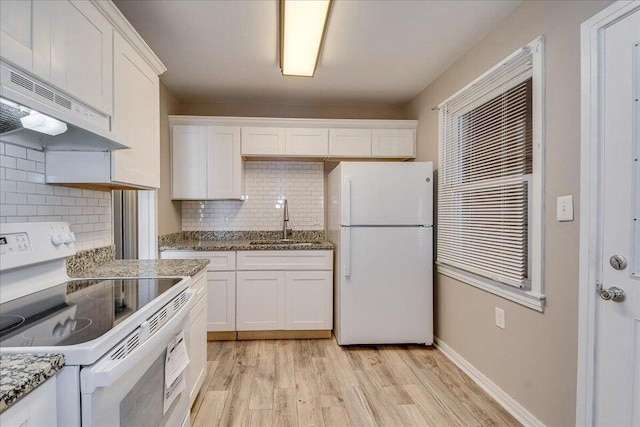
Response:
column 500, row 396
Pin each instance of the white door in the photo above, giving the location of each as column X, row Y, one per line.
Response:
column 221, row 309
column 224, row 163
column 309, row 300
column 82, row 52
column 265, row 141
column 25, row 31
column 385, row 285
column 260, row 300
column 617, row 377
column 307, row 142
column 136, row 121
column 393, row 143
column 197, row 345
column 387, row 193
column 350, row 143
column 188, row 162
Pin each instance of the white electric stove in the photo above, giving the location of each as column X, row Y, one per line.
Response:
column 113, row 333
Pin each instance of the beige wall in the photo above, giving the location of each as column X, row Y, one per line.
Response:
column 169, row 212
column 316, row 111
column 534, row 359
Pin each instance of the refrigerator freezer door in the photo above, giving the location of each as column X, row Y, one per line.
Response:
column 387, row 193
column 386, row 294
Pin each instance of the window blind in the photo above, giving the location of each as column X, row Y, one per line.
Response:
column 484, row 178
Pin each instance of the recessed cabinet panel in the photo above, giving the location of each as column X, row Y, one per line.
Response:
column 393, row 143
column 136, row 120
column 25, row 27
column 82, row 52
column 221, row 293
column 309, row 300
column 307, row 142
column 350, row 142
column 260, row 300
column 224, row 163
column 189, row 162
column 263, row 141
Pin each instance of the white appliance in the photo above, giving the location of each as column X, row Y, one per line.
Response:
column 380, row 218
column 114, row 333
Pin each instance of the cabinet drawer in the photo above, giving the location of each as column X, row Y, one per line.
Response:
column 307, row 142
column 262, row 141
column 285, row 260
column 218, row 260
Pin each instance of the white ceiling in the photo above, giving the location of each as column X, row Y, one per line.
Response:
column 382, row 52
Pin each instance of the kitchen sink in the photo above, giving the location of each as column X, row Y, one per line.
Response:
column 282, row 242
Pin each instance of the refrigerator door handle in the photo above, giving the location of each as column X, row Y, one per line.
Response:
column 346, row 247
column 346, row 202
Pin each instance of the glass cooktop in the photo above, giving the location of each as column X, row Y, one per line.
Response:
column 76, row 311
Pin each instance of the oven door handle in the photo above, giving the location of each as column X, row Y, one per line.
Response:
column 106, row 371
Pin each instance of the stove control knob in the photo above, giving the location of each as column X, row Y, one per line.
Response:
column 58, row 330
column 73, row 237
column 68, row 238
column 57, row 239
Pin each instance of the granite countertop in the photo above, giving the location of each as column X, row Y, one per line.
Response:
column 144, row 268
column 244, row 245
column 21, row 373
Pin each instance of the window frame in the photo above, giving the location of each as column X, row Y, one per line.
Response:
column 533, row 297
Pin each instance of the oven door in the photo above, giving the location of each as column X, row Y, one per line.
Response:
column 130, row 391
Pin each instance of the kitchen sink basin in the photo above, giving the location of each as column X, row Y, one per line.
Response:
column 282, row 242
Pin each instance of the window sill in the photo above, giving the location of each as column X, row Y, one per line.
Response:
column 529, row 299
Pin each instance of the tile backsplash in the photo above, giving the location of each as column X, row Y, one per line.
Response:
column 24, row 197
column 266, row 185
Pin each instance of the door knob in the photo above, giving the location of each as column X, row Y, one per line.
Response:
column 613, row 293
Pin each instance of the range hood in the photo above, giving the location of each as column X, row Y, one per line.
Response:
column 34, row 114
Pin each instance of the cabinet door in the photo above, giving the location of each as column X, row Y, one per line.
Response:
column 307, row 142
column 136, row 118
column 82, row 52
column 260, row 300
column 25, row 28
column 221, row 308
column 224, row 163
column 309, row 300
column 263, row 141
column 350, row 142
column 188, row 162
column 197, row 347
column 393, row 143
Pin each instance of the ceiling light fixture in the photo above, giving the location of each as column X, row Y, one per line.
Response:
column 303, row 24
column 44, row 124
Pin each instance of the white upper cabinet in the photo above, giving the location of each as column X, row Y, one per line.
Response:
column 82, row 52
column 136, row 119
column 393, row 143
column 266, row 138
column 25, row 28
column 224, row 163
column 206, row 163
column 268, row 141
column 188, row 162
column 350, row 142
column 307, row 142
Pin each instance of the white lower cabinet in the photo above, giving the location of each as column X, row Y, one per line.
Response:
column 197, row 340
column 260, row 300
column 221, row 290
column 308, row 300
column 38, row 408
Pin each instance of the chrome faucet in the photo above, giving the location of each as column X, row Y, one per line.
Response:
column 285, row 221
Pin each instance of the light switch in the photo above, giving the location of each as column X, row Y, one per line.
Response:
column 565, row 208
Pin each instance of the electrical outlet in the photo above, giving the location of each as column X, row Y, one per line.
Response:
column 564, row 208
column 500, row 319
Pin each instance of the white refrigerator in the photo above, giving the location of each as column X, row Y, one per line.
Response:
column 380, row 218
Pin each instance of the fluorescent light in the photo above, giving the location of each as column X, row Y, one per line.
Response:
column 302, row 27
column 44, row 124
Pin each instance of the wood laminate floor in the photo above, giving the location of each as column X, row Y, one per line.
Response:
column 319, row 383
